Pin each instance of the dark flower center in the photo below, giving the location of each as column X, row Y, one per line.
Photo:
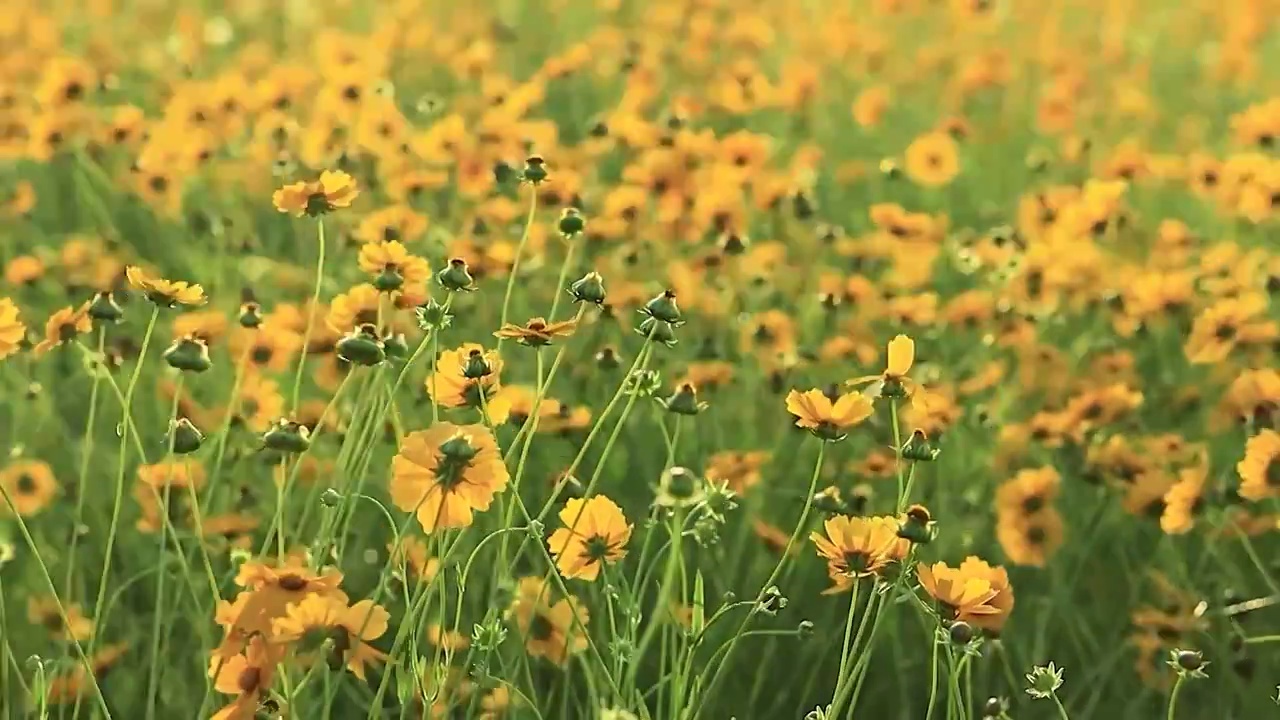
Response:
column 1033, row 504
column 26, row 484
column 158, row 183
column 597, row 548
column 249, row 679
column 390, row 234
column 540, row 628
column 857, row 562
column 292, row 583
column 262, row 354
column 368, row 316
column 1226, row 332
column 1036, row 536
column 1273, row 473
column 456, row 455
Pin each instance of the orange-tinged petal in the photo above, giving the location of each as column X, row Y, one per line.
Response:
column 902, row 354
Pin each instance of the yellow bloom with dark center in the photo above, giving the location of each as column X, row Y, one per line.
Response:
column 933, row 160
column 270, row 588
column 357, row 306
column 893, row 382
column 1260, row 469
column 1030, row 539
column 12, row 331
column 169, row 481
column 63, row 326
column 976, row 592
column 335, row 189
column 468, row 376
column 30, row 486
column 446, row 473
column 43, row 611
column 24, row 270
column 396, row 223
column 595, row 532
column 165, row 293
column 259, row 403
column 270, row 346
column 1029, row 492
column 392, row 266
column 555, row 631
column 350, row 628
column 412, row 558
column 828, row 419
column 738, row 471
column 858, row 547
column 247, row 675
column 537, row 332
column 1226, row 325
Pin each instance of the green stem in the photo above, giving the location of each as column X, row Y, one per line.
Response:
column 85, row 459
column 1173, row 700
column 515, row 264
column 153, row 676
column 311, row 317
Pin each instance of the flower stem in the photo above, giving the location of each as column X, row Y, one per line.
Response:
column 515, row 264
column 311, row 317
column 1173, row 699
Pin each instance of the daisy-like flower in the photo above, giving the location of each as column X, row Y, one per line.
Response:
column 446, row 473
column 30, row 486
column 335, row 189
column 595, row 532
column 269, row 591
column 933, row 160
column 171, row 477
column 12, row 331
column 357, row 306
column 319, row 618
column 392, row 266
column 469, row 377
column 68, row 687
column 554, row 631
column 63, row 326
column 247, row 675
column 975, row 593
column 43, row 611
column 165, row 293
column 537, row 332
column 1226, row 325
column 412, row 559
column 827, row 419
column 1260, row 469
column 893, row 382
column 858, row 547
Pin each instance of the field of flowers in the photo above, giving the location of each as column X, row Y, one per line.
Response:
column 640, row 359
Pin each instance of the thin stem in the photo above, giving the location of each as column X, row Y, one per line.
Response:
column 1173, row 700
column 515, row 264
column 153, row 675
column 87, row 441
column 311, row 317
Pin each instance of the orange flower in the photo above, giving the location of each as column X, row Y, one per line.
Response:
column 444, row 474
column 554, row 631
column 828, row 420
column 12, row 331
column 165, row 293
column 857, row 547
column 537, row 332
column 595, row 532
column 1260, row 468
column 933, row 160
column 335, row 189
column 350, row 627
column 975, row 593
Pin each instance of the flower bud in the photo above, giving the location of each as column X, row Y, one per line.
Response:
column 684, row 401
column 184, row 437
column 535, row 170
column 918, row 448
column 658, row 331
column 287, row 436
column 663, row 307
column 389, row 279
column 250, row 315
column 571, row 222
column 433, row 315
column 455, row 276
column 362, row 347
column 189, row 354
column 589, row 288
column 104, row 308
column 960, row 632
column 330, row 498
column 476, row 366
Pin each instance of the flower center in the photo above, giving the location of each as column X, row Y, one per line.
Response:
column 292, row 583
column 249, row 680
column 262, row 354
column 597, row 548
column 540, row 628
column 1226, row 332
column 857, row 562
column 317, row 204
column 1273, row 473
column 27, row 484
column 455, row 458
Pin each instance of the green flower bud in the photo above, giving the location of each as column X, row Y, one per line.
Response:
column 663, row 307
column 918, row 448
column 362, row 347
column 589, row 288
column 104, row 308
column 455, row 276
column 433, row 316
column 571, row 222
column 250, row 315
column 396, row 346
column 189, row 354
column 184, row 437
column 388, row 280
column 535, row 170
column 287, row 436
column 659, row 331
column 476, row 366
column 684, row 401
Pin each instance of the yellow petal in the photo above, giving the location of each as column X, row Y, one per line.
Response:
column 902, row 353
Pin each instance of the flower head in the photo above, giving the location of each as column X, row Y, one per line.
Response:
column 349, row 628
column 335, row 189
column 595, row 532
column 12, row 331
column 554, row 631
column 165, row 293
column 446, row 473
column 857, row 547
column 63, row 326
column 537, row 332
column 828, row 419
column 975, row 592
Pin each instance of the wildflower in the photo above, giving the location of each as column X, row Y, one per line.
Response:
column 1260, row 469
column 684, row 401
column 102, row 308
column 164, row 293
column 1044, row 681
column 29, row 485
column 63, row 326
column 358, row 306
column 588, row 289
column 269, row 591
column 856, row 547
column 1227, row 324
column 456, row 277
column 554, row 631
column 287, row 436
column 595, row 532
column 452, row 386
column 271, row 346
column 932, row 160
column 447, row 472
column 828, row 420
column 350, row 628
column 1030, row 539
column 247, row 675
column 975, row 592
column 44, row 612
column 739, row 471
column 335, row 189
column 537, row 332
column 893, row 382
column 188, row 353
column 259, row 403
column 1183, row 500
column 165, row 480
column 1188, row 662
column 67, row 688
column 413, row 559
column 392, row 266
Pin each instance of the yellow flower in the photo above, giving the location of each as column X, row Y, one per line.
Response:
column 446, row 473
column 857, row 547
column 1260, row 469
column 392, row 266
column 43, row 611
column 975, row 593
column 320, row 617
column 469, row 377
column 12, row 331
column 595, row 532
column 553, row 631
column 164, row 293
column 828, row 420
column 335, row 189
column 537, row 332
column 63, row 326
column 933, row 160
column 30, row 486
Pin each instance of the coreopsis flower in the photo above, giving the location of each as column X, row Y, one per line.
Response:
column 1184, row 500
column 247, row 675
column 329, row 617
column 858, row 547
column 738, row 471
column 1030, row 539
column 12, row 331
column 827, row 419
column 893, row 382
column 595, row 532
column 1227, row 324
column 269, row 590
column 554, row 631
column 164, row 293
column 353, row 308
column 446, row 473
column 335, row 189
column 30, row 486
column 537, row 332
column 63, row 326
column 171, row 478
column 975, row 593
column 933, row 159
column 1260, row 469
column 469, row 377
column 392, row 266
column 72, row 685
column 43, row 612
